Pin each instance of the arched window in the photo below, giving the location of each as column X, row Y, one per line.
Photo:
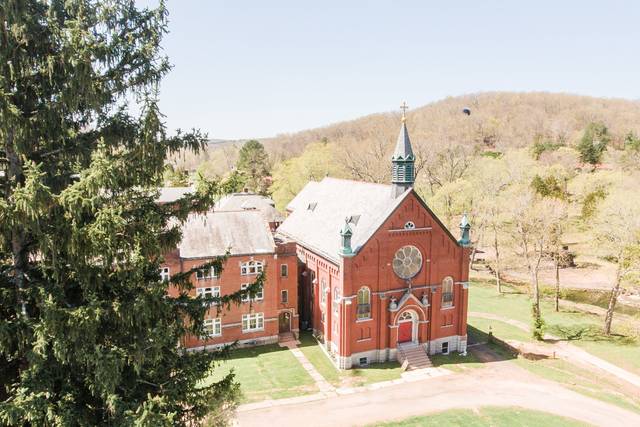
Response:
column 447, row 292
column 323, row 291
column 364, row 303
column 407, row 315
column 251, row 267
column 409, row 225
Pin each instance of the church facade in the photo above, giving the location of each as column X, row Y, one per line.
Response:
column 378, row 269
column 374, row 270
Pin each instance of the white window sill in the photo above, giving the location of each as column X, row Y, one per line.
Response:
column 364, row 339
column 248, row 331
column 447, row 326
column 448, row 308
column 364, row 320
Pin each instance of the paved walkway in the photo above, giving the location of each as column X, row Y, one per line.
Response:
column 569, row 351
column 499, row 384
column 322, row 384
column 327, row 390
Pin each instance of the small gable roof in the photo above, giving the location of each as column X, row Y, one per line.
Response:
column 212, row 234
column 319, row 211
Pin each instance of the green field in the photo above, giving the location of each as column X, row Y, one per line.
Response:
column 582, row 329
column 346, row 378
column 487, row 416
column 266, row 372
column 586, row 382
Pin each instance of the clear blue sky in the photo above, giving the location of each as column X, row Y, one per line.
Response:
column 258, row 68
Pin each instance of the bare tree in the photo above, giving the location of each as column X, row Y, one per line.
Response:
column 534, row 222
column 617, row 228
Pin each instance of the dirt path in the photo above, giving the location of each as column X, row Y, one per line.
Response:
column 569, row 351
column 500, row 383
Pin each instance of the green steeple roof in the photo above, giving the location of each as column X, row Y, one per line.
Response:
column 403, row 149
column 402, row 161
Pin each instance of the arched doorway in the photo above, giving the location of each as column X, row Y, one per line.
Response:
column 408, row 327
column 284, row 322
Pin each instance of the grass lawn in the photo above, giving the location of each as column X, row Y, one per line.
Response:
column 266, row 372
column 353, row 377
column 499, row 329
column 488, row 416
column 587, row 382
column 582, row 329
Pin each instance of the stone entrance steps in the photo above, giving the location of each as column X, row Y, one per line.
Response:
column 286, row 337
column 415, row 355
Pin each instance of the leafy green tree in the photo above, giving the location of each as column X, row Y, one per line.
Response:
column 253, row 162
column 290, row 176
column 632, row 142
column 175, row 177
column 542, row 145
column 593, row 143
column 549, row 186
column 630, row 159
column 88, row 334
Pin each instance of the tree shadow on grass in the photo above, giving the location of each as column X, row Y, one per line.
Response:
column 581, row 332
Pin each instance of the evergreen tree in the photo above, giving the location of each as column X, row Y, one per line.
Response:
column 253, row 163
column 88, row 334
column 593, row 143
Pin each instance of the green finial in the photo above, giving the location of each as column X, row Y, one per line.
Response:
column 464, row 231
column 345, row 234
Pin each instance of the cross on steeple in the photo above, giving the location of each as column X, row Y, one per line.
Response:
column 404, row 107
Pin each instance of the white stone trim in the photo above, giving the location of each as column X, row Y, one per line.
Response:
column 456, row 343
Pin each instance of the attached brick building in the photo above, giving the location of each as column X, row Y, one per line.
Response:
column 253, row 248
column 368, row 267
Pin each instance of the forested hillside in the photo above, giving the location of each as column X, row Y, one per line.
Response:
column 562, row 166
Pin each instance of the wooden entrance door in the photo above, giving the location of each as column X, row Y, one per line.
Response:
column 284, row 322
column 405, row 331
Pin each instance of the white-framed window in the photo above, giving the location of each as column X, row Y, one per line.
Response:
column 364, row 303
column 284, row 296
column 336, row 308
column 259, row 295
column 164, row 274
column 206, row 273
column 447, row 292
column 213, row 327
column 409, row 225
column 251, row 267
column 252, row 322
column 323, row 291
column 445, row 347
column 211, row 291
column 284, row 270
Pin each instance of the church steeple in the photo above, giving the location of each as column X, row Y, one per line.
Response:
column 402, row 161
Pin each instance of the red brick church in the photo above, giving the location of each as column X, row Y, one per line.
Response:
column 368, row 267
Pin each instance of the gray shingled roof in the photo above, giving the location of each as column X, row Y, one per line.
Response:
column 171, row 194
column 319, row 212
column 250, row 201
column 212, row 234
column 403, row 150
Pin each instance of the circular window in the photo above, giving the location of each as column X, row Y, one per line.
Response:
column 409, row 225
column 407, row 262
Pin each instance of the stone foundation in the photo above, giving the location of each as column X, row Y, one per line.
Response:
column 273, row 339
